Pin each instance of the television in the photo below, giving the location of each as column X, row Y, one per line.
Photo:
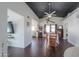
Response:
column 10, row 28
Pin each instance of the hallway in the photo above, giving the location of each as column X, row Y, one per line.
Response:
column 39, row 48
column 20, row 21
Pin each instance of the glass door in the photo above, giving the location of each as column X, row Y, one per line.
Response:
column 53, row 28
column 47, row 28
column 50, row 28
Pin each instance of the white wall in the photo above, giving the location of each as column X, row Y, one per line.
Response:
column 22, row 9
column 27, row 32
column 73, row 28
column 3, row 30
column 30, row 30
column 34, row 27
column 18, row 24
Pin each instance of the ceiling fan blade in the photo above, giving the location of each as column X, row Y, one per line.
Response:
column 53, row 15
column 53, row 12
column 45, row 16
column 46, row 13
column 52, row 21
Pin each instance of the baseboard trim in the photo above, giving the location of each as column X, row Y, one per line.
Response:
column 27, row 44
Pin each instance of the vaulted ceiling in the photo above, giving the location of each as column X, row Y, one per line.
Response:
column 61, row 8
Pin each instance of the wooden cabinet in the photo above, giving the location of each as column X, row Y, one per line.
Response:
column 52, row 40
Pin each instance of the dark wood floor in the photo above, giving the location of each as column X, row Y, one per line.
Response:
column 39, row 48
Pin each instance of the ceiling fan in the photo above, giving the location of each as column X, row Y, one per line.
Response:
column 50, row 15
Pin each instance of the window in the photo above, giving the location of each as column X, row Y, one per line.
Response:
column 48, row 28
column 60, row 27
column 53, row 28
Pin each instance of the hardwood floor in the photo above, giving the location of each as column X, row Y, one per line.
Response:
column 39, row 48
